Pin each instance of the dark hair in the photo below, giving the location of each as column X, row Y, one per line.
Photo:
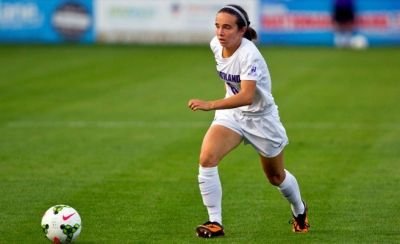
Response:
column 250, row 33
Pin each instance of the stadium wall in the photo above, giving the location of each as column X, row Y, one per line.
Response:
column 278, row 22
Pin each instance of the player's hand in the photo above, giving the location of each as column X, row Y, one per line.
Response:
column 196, row 104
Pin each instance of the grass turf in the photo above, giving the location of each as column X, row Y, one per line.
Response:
column 106, row 130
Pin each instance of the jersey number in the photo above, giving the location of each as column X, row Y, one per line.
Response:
column 233, row 89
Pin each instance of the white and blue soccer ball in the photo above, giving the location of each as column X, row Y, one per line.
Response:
column 359, row 42
column 61, row 224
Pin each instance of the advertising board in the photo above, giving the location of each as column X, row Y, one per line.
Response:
column 46, row 21
column 160, row 21
column 308, row 22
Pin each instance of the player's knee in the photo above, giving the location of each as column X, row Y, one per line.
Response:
column 276, row 179
column 208, row 160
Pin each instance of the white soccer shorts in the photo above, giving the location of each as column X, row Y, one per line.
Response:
column 264, row 132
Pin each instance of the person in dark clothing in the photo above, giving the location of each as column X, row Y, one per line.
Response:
column 344, row 22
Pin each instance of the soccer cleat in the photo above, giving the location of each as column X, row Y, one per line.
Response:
column 300, row 223
column 209, row 230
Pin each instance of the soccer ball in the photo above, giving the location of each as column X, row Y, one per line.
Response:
column 359, row 42
column 61, row 224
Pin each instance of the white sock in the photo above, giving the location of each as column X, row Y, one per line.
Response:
column 211, row 192
column 290, row 190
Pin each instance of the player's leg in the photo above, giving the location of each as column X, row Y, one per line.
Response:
column 217, row 142
column 287, row 184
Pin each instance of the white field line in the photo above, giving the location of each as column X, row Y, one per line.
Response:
column 187, row 124
column 106, row 124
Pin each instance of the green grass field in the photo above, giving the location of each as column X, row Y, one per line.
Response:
column 106, row 130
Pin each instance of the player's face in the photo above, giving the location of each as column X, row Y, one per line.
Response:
column 227, row 30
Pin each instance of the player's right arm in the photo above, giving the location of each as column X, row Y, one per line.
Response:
column 243, row 98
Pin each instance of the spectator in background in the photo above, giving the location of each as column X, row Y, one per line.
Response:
column 344, row 20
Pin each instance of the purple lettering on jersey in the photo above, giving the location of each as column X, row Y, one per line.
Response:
column 233, row 89
column 253, row 70
column 229, row 77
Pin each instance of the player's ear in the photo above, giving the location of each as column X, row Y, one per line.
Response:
column 243, row 30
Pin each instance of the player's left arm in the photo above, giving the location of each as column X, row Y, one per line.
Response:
column 244, row 97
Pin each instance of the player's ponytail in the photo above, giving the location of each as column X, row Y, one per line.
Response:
column 250, row 34
column 242, row 20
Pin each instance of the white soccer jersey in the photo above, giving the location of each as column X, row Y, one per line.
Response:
column 246, row 63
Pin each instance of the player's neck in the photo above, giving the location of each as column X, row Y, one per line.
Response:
column 229, row 51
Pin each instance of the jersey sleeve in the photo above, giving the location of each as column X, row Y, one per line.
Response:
column 250, row 67
column 214, row 45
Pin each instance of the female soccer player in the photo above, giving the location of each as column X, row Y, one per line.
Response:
column 247, row 113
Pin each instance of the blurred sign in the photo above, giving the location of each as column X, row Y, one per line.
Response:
column 379, row 21
column 282, row 22
column 158, row 21
column 46, row 21
column 308, row 22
